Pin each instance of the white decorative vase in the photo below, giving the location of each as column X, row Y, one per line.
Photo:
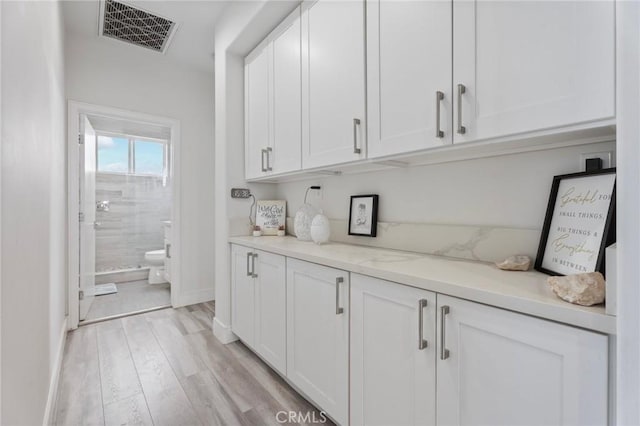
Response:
column 320, row 229
column 302, row 221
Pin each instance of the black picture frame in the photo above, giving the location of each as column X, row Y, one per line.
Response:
column 367, row 212
column 607, row 236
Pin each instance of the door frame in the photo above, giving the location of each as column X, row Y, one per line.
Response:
column 74, row 110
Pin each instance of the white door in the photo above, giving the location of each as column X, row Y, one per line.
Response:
column 87, row 216
column 531, row 65
column 409, row 57
column 318, row 335
column 243, row 293
column 271, row 309
column 287, row 92
column 393, row 353
column 333, row 83
column 504, row 368
column 257, row 113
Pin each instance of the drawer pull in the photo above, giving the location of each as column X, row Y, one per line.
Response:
column 439, row 98
column 339, row 310
column 444, row 353
column 422, row 343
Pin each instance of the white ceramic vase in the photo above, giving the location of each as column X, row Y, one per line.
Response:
column 320, row 229
column 302, row 221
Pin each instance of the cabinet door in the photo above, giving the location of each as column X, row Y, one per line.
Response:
column 333, row 83
column 393, row 353
column 505, row 368
column 270, row 309
column 318, row 335
column 532, row 65
column 257, row 112
column 409, row 57
column 242, row 294
column 287, row 92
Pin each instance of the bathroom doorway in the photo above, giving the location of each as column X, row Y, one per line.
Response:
column 124, row 214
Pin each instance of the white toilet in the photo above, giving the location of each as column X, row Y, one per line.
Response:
column 155, row 259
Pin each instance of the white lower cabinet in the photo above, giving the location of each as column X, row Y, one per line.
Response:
column 318, row 335
column 373, row 352
column 259, row 303
column 393, row 353
column 497, row 367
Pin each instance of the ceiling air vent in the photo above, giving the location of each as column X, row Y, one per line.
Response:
column 135, row 26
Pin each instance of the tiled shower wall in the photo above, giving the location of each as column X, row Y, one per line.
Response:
column 133, row 225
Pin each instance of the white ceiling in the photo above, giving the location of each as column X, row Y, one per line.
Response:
column 193, row 43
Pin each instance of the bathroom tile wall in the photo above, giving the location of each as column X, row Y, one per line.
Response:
column 133, row 225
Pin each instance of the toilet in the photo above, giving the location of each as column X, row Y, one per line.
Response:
column 155, row 259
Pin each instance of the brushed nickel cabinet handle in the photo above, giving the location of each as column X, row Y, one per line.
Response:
column 339, row 281
column 356, row 123
column 269, row 151
column 422, row 343
column 439, row 98
column 249, row 257
column 253, row 265
column 262, row 153
column 167, row 250
column 444, row 353
column 461, row 91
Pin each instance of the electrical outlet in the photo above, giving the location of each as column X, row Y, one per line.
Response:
column 240, row 193
column 605, row 156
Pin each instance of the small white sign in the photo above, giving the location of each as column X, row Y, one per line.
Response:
column 271, row 215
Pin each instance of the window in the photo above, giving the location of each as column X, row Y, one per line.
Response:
column 134, row 156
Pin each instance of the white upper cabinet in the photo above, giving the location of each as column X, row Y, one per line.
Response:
column 531, row 65
column 333, row 83
column 497, row 367
column 257, row 112
column 273, row 102
column 409, row 57
column 287, row 123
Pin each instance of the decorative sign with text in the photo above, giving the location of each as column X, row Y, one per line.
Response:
column 578, row 225
column 271, row 215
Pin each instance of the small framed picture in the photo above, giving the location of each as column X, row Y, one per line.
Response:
column 363, row 215
column 579, row 224
column 271, row 216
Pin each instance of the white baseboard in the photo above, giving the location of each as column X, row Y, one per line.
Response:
column 222, row 332
column 194, row 297
column 55, row 376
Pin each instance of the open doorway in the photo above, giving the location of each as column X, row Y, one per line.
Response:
column 122, row 168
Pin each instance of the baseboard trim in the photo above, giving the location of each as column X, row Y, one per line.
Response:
column 49, row 410
column 222, row 332
column 194, row 297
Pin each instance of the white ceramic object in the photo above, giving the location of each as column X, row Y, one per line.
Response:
column 280, row 233
column 320, row 229
column 302, row 221
column 257, row 233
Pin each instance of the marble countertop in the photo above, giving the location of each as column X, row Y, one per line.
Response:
column 525, row 292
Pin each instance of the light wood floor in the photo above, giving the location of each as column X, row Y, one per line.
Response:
column 131, row 297
column 167, row 368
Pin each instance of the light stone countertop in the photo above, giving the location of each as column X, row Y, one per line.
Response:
column 525, row 292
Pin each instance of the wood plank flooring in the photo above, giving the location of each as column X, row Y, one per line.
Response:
column 167, row 368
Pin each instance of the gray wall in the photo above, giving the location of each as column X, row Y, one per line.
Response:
column 133, row 225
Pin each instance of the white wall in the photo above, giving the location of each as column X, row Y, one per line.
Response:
column 107, row 73
column 509, row 191
column 628, row 203
column 240, row 27
column 33, row 206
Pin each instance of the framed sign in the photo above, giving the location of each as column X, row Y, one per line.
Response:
column 363, row 215
column 579, row 224
column 271, row 215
